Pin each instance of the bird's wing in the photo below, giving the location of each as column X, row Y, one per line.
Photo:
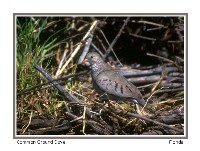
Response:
column 115, row 84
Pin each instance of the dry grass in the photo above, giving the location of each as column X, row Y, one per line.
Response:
column 48, row 104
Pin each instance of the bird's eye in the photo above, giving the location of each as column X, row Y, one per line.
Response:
column 91, row 57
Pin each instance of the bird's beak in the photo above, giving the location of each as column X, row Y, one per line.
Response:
column 85, row 60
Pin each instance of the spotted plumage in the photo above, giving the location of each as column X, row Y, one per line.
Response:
column 108, row 81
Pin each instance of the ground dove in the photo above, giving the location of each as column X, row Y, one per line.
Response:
column 110, row 82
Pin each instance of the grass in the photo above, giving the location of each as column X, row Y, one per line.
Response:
column 38, row 44
column 31, row 49
column 35, row 44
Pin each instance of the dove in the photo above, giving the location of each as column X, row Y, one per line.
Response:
column 107, row 81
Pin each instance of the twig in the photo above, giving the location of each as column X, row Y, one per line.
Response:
column 148, row 22
column 171, row 101
column 66, row 94
column 29, row 122
column 84, row 111
column 101, row 54
column 144, row 79
column 146, row 119
column 50, row 81
column 78, row 47
column 157, row 83
column 155, row 122
column 170, row 90
column 153, row 39
column 62, row 60
column 160, row 57
column 70, row 97
column 142, row 37
column 153, row 94
column 101, row 43
column 109, row 45
column 117, row 36
column 137, row 73
column 171, row 117
column 153, row 29
column 171, row 41
column 172, row 85
column 87, row 47
column 180, row 36
column 92, row 124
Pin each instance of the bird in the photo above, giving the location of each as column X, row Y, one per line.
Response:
column 108, row 82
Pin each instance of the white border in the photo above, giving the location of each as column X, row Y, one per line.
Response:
column 110, row 136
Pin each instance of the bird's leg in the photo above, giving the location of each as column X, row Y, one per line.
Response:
column 103, row 97
column 139, row 110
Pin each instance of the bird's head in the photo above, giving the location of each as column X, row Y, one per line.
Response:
column 93, row 58
column 95, row 61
